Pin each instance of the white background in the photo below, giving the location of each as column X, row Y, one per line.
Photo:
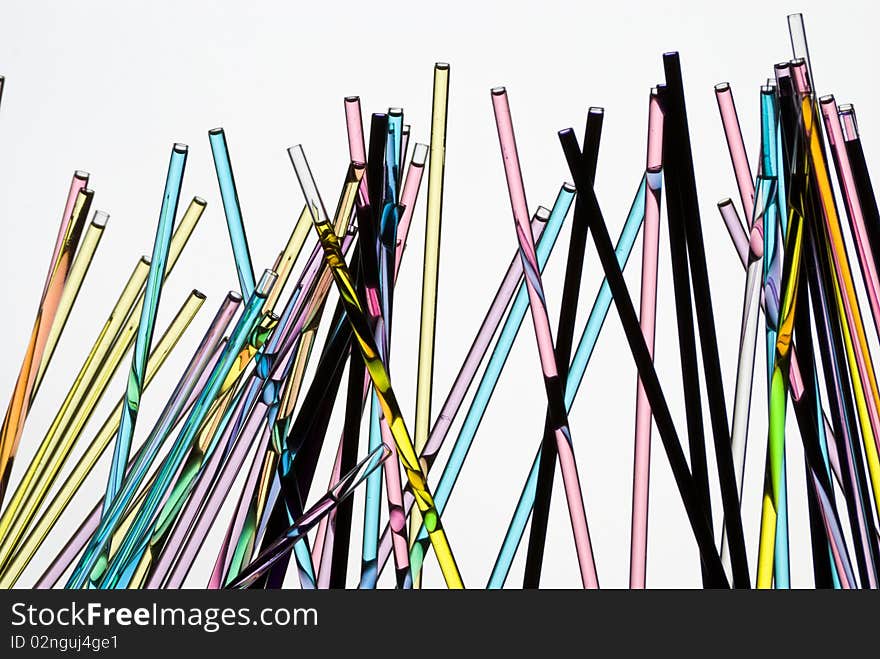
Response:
column 109, row 88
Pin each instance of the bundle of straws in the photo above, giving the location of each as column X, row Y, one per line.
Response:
column 243, row 403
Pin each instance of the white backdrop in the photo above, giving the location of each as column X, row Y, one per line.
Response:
column 109, row 89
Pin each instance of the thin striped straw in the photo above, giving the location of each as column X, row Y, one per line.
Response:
column 544, row 338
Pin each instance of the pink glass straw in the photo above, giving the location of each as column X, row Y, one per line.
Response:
column 544, row 337
column 836, row 140
column 647, row 314
column 737, row 148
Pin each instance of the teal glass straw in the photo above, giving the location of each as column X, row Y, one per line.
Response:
column 147, row 324
column 95, row 555
column 575, row 376
column 232, row 209
column 496, row 363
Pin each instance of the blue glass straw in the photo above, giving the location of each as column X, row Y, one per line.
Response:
column 232, row 209
column 144, row 338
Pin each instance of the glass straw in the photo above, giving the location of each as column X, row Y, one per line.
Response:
column 72, row 431
column 232, row 210
column 867, row 260
column 300, row 322
column 338, row 493
column 369, row 549
column 78, row 182
column 179, row 404
column 746, row 361
column 81, row 263
column 146, row 326
column 189, row 383
column 428, row 319
column 647, row 321
column 865, row 383
column 737, row 148
column 544, row 338
column 16, row 412
column 378, row 374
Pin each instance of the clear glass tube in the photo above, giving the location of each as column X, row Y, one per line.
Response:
column 338, row 493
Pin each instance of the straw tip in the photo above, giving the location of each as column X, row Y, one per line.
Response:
column 234, row 296
column 180, row 148
column 100, row 219
column 215, row 131
column 595, row 109
column 569, row 187
column 200, row 201
column 542, row 214
column 498, row 91
column 196, row 293
column 727, row 201
column 828, row 98
column 442, row 66
column 81, row 175
column 722, row 87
